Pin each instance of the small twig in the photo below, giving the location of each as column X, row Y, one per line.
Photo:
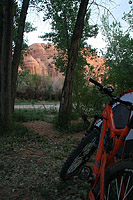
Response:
column 99, row 5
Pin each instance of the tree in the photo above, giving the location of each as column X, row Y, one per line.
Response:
column 9, row 66
column 128, row 18
column 1, row 30
column 66, row 98
column 18, row 48
column 69, row 35
column 5, row 59
column 119, row 56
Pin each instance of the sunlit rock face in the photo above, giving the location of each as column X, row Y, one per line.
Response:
column 39, row 60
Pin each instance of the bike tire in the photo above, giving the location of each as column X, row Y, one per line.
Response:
column 80, row 155
column 117, row 175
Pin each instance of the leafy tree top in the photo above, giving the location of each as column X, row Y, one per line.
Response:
column 62, row 15
column 119, row 56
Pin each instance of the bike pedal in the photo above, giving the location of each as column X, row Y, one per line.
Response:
column 85, row 174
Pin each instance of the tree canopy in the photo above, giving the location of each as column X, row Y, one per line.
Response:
column 119, row 55
column 70, row 29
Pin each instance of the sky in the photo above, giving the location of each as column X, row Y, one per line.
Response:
column 117, row 9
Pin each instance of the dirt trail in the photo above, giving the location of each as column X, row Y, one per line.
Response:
column 30, row 169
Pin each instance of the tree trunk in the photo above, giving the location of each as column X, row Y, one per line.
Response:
column 66, row 97
column 5, row 60
column 1, row 30
column 17, row 50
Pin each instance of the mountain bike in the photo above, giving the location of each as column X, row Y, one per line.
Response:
column 112, row 177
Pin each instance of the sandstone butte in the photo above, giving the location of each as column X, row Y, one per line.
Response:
column 38, row 58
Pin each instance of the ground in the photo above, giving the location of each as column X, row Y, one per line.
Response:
column 30, row 166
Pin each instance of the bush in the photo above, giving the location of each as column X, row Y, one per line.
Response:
column 24, row 115
column 34, row 86
column 89, row 101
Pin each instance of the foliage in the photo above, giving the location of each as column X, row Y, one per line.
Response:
column 34, row 86
column 12, row 27
column 25, row 115
column 63, row 16
column 119, row 56
column 26, row 156
column 90, row 101
column 128, row 18
column 28, row 28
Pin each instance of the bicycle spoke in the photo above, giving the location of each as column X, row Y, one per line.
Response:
column 120, row 188
column 108, row 192
column 126, row 193
column 116, row 186
column 127, row 187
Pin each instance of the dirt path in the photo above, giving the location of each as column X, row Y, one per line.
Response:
column 29, row 169
column 47, row 129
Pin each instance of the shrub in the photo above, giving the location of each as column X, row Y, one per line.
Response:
column 34, row 86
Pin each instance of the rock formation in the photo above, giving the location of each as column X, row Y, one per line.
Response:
column 39, row 60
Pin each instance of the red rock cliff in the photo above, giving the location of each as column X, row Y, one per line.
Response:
column 39, row 57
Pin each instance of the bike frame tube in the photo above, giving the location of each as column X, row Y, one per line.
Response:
column 102, row 177
column 118, row 142
column 102, row 160
column 101, row 144
column 91, row 195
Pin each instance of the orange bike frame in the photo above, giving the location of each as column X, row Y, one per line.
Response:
column 103, row 160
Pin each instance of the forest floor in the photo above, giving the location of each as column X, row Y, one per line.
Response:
column 30, row 165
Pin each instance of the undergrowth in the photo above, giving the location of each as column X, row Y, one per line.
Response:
column 25, row 115
column 50, row 116
column 30, row 165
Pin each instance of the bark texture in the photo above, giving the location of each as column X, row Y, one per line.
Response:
column 66, row 98
column 17, row 50
column 1, row 30
column 5, row 60
column 9, row 65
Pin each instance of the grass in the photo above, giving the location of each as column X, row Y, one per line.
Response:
column 30, row 165
column 35, row 102
column 25, row 115
column 77, row 127
column 18, row 135
column 47, row 115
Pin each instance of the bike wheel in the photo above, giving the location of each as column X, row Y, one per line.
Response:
column 118, row 182
column 80, row 155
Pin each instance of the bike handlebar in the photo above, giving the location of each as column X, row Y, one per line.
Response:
column 95, row 82
column 109, row 92
column 102, row 88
